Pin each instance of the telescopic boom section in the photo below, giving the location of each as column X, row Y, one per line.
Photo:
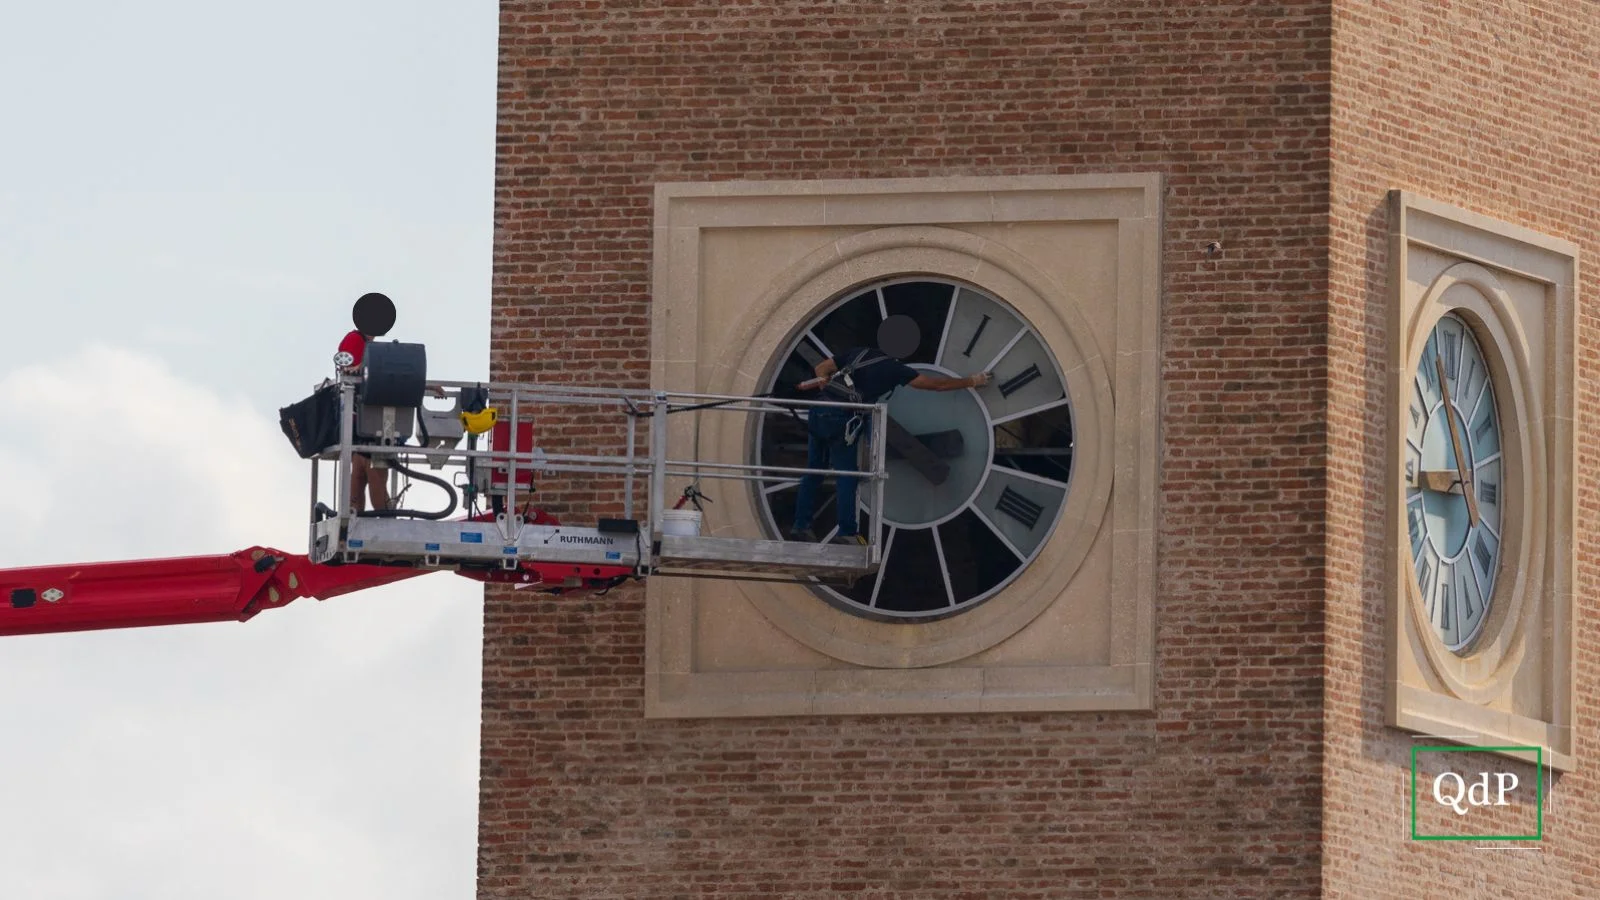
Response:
column 180, row 591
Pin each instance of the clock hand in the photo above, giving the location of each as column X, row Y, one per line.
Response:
column 1444, row 481
column 1455, row 443
column 922, row 459
column 946, row 444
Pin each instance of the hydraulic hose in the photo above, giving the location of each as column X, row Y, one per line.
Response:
column 448, row 489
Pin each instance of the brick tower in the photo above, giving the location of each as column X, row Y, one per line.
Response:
column 1201, row 673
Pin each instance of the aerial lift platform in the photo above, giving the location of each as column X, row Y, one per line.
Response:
column 509, row 469
column 487, row 527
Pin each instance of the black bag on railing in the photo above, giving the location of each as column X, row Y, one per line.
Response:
column 312, row 425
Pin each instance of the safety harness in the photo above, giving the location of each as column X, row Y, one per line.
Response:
column 843, row 385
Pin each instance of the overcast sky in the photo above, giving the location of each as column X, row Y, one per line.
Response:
column 192, row 194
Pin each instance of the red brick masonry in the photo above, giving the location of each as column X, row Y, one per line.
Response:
column 1216, row 793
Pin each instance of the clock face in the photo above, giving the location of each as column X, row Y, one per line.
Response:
column 1454, row 483
column 951, row 539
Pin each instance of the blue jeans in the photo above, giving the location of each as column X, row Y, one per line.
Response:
column 826, row 449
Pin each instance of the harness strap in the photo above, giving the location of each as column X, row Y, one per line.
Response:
column 849, row 390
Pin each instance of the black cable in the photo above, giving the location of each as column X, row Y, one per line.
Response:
column 678, row 409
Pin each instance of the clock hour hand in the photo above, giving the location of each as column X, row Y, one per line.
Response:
column 1455, row 444
column 1443, row 481
column 923, row 459
column 946, row 444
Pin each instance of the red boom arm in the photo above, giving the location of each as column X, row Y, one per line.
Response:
column 186, row 590
column 231, row 588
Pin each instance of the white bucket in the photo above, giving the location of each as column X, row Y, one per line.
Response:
column 681, row 522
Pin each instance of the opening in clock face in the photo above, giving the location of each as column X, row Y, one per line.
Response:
column 952, row 544
column 1454, row 485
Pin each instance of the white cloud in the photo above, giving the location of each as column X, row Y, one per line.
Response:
column 147, row 463
column 304, row 753
column 208, row 214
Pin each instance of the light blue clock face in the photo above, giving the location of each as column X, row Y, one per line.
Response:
column 1455, row 489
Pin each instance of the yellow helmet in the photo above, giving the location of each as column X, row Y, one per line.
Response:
column 479, row 422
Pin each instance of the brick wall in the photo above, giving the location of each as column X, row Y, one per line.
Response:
column 1493, row 107
column 1217, row 793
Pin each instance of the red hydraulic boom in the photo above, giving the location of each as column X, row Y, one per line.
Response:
column 181, row 591
column 228, row 588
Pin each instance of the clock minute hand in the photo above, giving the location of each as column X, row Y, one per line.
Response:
column 1455, row 443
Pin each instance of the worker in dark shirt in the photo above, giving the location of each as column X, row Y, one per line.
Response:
column 858, row 375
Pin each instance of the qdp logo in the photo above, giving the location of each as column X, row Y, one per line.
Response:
column 1462, row 792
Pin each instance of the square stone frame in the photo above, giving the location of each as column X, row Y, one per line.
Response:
column 1514, row 687
column 862, row 667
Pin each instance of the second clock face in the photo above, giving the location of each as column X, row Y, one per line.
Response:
column 952, row 544
column 1454, row 483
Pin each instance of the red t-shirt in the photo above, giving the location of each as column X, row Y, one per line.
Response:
column 355, row 345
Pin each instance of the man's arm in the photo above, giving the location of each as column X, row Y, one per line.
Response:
column 942, row 383
column 824, row 370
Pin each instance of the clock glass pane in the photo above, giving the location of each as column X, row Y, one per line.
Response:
column 978, row 329
column 1025, row 381
column 1414, row 523
column 1454, row 489
column 1486, row 483
column 950, row 422
column 1015, row 505
column 953, row 541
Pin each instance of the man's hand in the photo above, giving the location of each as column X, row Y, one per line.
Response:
column 981, row 379
column 811, row 384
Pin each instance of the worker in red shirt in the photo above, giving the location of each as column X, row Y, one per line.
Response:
column 373, row 315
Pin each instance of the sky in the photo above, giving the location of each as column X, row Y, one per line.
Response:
column 192, row 195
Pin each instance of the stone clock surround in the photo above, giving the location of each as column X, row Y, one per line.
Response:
column 835, row 270
column 739, row 266
column 1517, row 289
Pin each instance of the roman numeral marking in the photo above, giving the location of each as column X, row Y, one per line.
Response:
column 975, row 335
column 1480, row 552
column 1020, row 380
column 1429, row 374
column 1452, row 357
column 1416, row 522
column 1411, row 471
column 1483, row 429
column 1468, row 611
column 1425, row 576
column 1448, row 604
column 1019, row 507
column 1488, row 492
column 1416, row 417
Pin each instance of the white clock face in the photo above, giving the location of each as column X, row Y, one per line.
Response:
column 1454, row 484
column 952, row 539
